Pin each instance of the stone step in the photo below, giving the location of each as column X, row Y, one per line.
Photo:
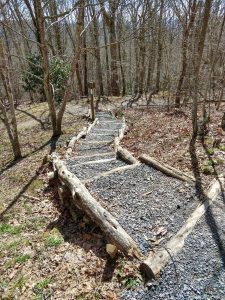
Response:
column 85, row 171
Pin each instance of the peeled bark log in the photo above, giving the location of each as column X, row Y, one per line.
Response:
column 85, row 202
column 125, row 155
column 170, row 171
column 92, row 125
column 152, row 265
column 80, row 135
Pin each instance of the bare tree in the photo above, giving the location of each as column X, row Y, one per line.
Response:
column 9, row 119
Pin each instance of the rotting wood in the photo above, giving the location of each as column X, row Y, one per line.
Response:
column 170, row 171
column 87, row 203
column 108, row 173
column 125, row 155
column 153, row 265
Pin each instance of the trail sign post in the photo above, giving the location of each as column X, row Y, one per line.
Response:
column 91, row 86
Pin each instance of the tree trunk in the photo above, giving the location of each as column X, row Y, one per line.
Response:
column 107, row 61
column 186, row 33
column 109, row 19
column 40, row 23
column 11, row 126
column 197, row 64
column 74, row 66
column 114, row 81
column 97, row 52
column 160, row 46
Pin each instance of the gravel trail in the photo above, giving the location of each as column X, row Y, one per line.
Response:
column 145, row 202
column 152, row 207
column 200, row 267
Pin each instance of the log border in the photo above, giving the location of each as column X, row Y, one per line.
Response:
column 154, row 263
column 121, row 152
column 84, row 201
column 166, row 169
column 81, row 134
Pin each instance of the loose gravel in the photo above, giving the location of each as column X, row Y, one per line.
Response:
column 88, row 171
column 198, row 272
column 152, row 207
column 145, row 202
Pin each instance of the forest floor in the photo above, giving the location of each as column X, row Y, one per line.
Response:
column 166, row 135
column 44, row 253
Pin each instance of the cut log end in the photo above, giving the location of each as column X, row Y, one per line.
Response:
column 146, row 271
column 125, row 155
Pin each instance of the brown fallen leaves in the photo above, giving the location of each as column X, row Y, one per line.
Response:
column 43, row 252
column 166, row 136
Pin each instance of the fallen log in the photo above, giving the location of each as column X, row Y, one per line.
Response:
column 80, row 135
column 170, row 171
column 120, row 136
column 116, row 143
column 108, row 173
column 92, row 125
column 86, row 202
column 153, row 265
column 125, row 155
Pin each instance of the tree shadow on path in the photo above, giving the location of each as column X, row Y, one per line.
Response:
column 200, row 193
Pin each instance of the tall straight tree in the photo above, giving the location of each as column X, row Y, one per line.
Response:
column 197, row 62
column 56, row 116
column 9, row 119
column 109, row 18
column 187, row 21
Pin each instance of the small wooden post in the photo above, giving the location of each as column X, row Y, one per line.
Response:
column 91, row 86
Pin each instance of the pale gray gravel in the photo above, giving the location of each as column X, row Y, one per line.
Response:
column 200, row 266
column 145, row 201
column 167, row 204
column 88, row 171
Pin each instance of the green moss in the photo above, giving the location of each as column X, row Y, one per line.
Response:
column 130, row 282
column 7, row 228
column 19, row 283
column 13, row 245
column 40, row 286
column 214, row 162
column 54, row 241
column 207, row 170
column 209, row 151
column 209, row 141
column 22, row 258
column 35, row 186
column 222, row 147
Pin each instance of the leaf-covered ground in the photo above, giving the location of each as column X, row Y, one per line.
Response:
column 44, row 253
column 166, row 136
